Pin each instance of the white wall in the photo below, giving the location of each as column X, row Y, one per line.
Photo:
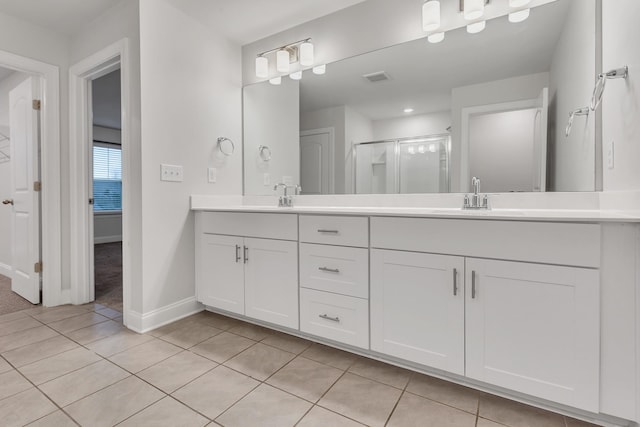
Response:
column 499, row 91
column 191, row 95
column 271, row 119
column 621, row 102
column 107, row 228
column 572, row 160
column 410, row 126
column 6, row 85
column 357, row 128
column 103, row 134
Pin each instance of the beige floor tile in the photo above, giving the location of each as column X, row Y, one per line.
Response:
column 214, row 392
column 515, row 414
column 329, row 356
column 17, row 325
column 23, row 408
column 54, row 315
column 416, row 411
column 4, row 366
column 265, row 407
column 145, row 355
column 216, row 320
column 166, row 412
column 77, row 322
column 114, row 403
column 95, row 332
column 381, row 372
column 190, row 334
column 361, row 399
column 444, row 392
column 223, row 347
column 83, row 382
column 170, row 327
column 22, row 338
column 55, row 366
column 118, row 342
column 572, row 422
column 56, row 419
column 38, row 309
column 287, row 342
column 176, row 371
column 320, row 417
column 40, row 350
column 12, row 316
column 260, row 361
column 487, row 423
column 251, row 331
column 109, row 312
column 12, row 383
column 305, row 378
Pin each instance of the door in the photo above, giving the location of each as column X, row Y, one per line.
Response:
column 540, row 142
column 220, row 272
column 271, row 281
column 26, row 201
column 315, row 160
column 534, row 328
column 417, row 308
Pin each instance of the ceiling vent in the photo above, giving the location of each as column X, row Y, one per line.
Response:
column 379, row 76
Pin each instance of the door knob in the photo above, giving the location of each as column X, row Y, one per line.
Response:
column 7, row 202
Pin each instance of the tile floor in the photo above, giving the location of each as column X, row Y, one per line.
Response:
column 72, row 366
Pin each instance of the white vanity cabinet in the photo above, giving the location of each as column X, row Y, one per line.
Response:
column 248, row 264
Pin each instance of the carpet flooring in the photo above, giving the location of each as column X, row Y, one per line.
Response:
column 10, row 302
column 108, row 275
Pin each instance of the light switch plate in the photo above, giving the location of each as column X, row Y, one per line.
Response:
column 171, row 173
column 212, row 174
column 266, row 179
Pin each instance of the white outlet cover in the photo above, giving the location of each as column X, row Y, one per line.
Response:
column 266, row 179
column 212, row 174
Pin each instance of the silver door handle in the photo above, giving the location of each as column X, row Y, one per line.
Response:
column 246, row 254
column 455, row 282
column 238, row 257
column 7, row 202
column 473, row 285
column 328, row 231
column 329, row 270
column 327, row 317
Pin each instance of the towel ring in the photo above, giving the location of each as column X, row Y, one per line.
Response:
column 226, row 146
column 598, row 91
column 264, row 152
column 579, row 112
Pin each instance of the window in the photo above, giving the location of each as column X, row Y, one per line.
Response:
column 107, row 177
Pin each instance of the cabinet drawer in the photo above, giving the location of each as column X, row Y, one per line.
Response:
column 335, row 230
column 261, row 225
column 335, row 269
column 335, row 317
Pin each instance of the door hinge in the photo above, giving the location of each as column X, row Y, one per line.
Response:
column 37, row 267
column 37, row 186
column 37, row 104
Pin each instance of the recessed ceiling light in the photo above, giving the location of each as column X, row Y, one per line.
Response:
column 408, row 110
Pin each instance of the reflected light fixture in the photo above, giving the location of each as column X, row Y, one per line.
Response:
column 518, row 3
column 431, row 15
column 282, row 60
column 262, row 67
column 408, row 110
column 306, row 54
column 473, row 9
column 519, row 15
column 476, row 27
column 436, row 37
column 422, row 149
column 296, row 75
column 411, row 150
column 276, row 81
column 320, row 69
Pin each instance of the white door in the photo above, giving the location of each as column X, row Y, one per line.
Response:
column 315, row 160
column 540, row 142
column 534, row 328
column 271, row 281
column 220, row 272
column 417, row 308
column 26, row 201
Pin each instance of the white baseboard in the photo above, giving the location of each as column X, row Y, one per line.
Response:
column 107, row 239
column 6, row 270
column 145, row 322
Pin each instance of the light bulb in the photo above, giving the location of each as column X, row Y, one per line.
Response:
column 436, row 37
column 320, row 69
column 282, row 61
column 432, row 148
column 431, row 15
column 411, row 150
column 421, row 149
column 519, row 16
column 408, row 110
column 518, row 3
column 476, row 27
column 306, row 54
column 262, row 67
column 276, row 80
column 473, row 9
column 296, row 76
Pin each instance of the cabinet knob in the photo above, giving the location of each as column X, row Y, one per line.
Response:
column 7, row 202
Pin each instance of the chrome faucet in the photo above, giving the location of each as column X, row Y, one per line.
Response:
column 475, row 201
column 286, row 200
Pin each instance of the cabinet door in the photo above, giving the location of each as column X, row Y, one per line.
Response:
column 415, row 312
column 534, row 328
column 220, row 272
column 271, row 281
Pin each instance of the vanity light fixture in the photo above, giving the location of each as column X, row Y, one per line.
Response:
column 519, row 15
column 473, row 9
column 262, row 67
column 408, row 110
column 300, row 51
column 276, row 81
column 431, row 15
column 306, row 54
column 296, row 75
column 282, row 61
column 476, row 27
column 436, row 37
column 320, row 69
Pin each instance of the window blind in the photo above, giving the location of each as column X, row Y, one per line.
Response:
column 107, row 177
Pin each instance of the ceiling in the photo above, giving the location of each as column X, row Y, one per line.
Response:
column 105, row 95
column 423, row 74
column 4, row 73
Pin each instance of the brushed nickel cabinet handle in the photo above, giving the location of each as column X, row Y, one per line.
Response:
column 238, row 257
column 246, row 254
column 473, row 285
column 329, row 270
column 328, row 231
column 327, row 317
column 455, row 282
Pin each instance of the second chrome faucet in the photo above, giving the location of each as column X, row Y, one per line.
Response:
column 286, row 199
column 475, row 201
